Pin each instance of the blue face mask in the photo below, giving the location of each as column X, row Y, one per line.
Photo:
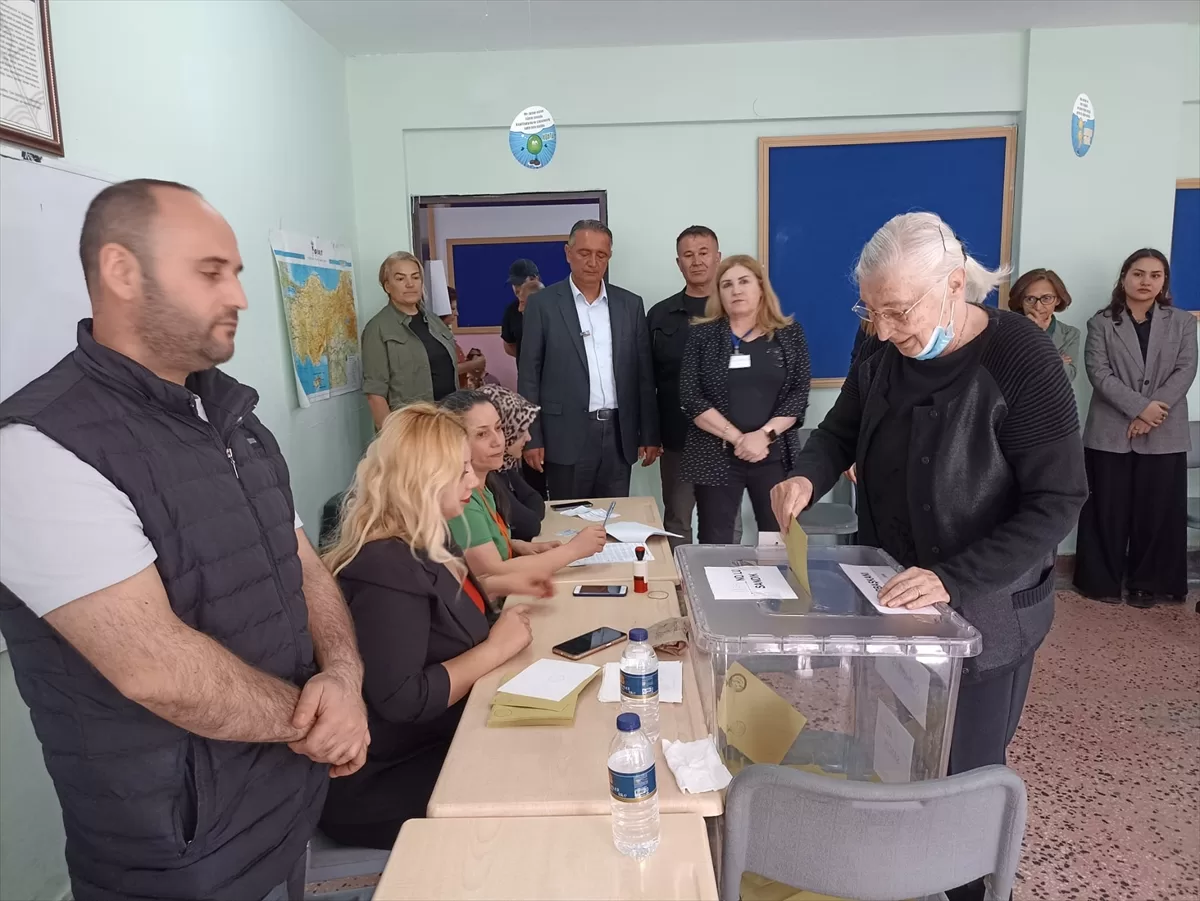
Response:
column 942, row 335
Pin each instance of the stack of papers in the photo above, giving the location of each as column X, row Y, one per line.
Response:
column 590, row 513
column 545, row 693
column 615, row 552
column 634, row 532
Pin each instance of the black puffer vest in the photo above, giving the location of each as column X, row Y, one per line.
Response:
column 152, row 811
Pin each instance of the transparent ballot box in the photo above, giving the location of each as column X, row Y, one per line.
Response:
column 823, row 681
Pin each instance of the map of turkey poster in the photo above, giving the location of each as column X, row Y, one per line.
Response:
column 316, row 283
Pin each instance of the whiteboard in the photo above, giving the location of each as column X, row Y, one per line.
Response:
column 42, row 293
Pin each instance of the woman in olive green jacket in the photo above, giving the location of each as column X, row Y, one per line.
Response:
column 408, row 353
column 1039, row 294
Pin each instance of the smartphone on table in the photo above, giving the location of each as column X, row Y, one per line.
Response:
column 567, row 505
column 582, row 645
column 601, row 591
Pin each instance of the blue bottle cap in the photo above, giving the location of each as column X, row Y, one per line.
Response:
column 638, row 635
column 628, row 722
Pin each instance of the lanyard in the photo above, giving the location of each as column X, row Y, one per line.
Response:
column 500, row 523
column 737, row 341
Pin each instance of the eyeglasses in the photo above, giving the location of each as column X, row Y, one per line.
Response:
column 1044, row 300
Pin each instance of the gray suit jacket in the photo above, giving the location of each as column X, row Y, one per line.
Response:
column 553, row 373
column 1124, row 385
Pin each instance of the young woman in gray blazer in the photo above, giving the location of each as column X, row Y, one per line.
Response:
column 1038, row 295
column 1141, row 360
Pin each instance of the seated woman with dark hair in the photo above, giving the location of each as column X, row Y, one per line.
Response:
column 484, row 529
column 424, row 624
column 526, row 508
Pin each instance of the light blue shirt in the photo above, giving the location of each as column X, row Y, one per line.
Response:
column 596, row 329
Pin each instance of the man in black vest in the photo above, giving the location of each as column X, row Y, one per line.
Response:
column 189, row 664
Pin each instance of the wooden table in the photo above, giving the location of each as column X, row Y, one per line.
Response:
column 533, row 771
column 632, row 509
column 545, row 859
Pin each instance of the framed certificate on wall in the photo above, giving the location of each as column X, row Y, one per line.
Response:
column 28, row 91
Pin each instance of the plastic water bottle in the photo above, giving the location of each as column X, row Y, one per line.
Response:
column 639, row 682
column 633, row 789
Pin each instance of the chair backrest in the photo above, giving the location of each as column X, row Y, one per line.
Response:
column 871, row 841
column 1193, row 457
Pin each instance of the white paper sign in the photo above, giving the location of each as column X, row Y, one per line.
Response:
column 870, row 581
column 893, row 747
column 909, row 681
column 439, row 293
column 748, row 583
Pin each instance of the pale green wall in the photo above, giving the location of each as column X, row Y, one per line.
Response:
column 669, row 132
column 243, row 101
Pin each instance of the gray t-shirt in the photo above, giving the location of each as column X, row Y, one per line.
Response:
column 65, row 530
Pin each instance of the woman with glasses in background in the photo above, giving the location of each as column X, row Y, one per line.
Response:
column 1039, row 294
column 970, row 465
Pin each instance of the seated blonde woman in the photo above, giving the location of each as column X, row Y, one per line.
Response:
column 424, row 623
column 483, row 529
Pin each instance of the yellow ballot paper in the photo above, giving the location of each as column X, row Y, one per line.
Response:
column 797, row 550
column 756, row 720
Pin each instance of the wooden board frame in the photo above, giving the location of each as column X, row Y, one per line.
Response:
column 1189, row 184
column 451, row 243
column 1008, row 132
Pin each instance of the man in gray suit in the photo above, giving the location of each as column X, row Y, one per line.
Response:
column 585, row 359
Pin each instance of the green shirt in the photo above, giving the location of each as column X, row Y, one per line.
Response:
column 476, row 526
column 395, row 361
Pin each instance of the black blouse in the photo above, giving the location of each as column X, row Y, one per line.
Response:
column 410, row 616
column 524, row 508
column 706, row 382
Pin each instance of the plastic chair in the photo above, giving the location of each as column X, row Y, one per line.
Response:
column 873, row 842
column 328, row 860
column 835, row 518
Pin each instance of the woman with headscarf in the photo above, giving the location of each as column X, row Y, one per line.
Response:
column 526, row 508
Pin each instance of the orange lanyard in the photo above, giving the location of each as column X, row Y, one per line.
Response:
column 499, row 521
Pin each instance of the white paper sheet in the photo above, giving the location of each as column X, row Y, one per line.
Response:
column 870, row 581
column 550, row 680
column 748, row 583
column 670, row 682
column 893, row 747
column 595, row 514
column 634, row 532
column 614, row 552
column 439, row 295
column 909, row 681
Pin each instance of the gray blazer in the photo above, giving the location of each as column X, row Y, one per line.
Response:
column 1124, row 385
column 1066, row 340
column 553, row 372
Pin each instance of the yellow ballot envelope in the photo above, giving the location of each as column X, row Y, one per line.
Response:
column 796, row 542
column 755, row 720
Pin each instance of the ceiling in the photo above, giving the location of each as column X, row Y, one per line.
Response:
column 361, row 27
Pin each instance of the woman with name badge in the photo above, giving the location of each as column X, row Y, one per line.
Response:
column 744, row 384
column 970, row 464
column 425, row 627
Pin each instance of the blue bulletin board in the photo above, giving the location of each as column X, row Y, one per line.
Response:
column 477, row 268
column 821, row 197
column 1185, row 245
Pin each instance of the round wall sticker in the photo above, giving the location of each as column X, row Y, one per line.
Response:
column 1083, row 125
column 532, row 138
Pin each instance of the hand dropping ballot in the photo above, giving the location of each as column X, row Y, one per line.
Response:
column 796, row 542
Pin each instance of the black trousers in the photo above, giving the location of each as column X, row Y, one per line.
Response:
column 600, row 471
column 1133, row 528
column 985, row 722
column 717, row 506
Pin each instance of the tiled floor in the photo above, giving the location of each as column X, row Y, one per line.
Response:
column 1109, row 747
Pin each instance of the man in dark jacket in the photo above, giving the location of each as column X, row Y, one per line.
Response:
column 189, row 664
column 697, row 255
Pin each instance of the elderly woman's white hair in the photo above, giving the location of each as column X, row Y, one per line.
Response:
column 924, row 248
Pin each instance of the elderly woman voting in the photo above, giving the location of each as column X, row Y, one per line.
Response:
column 964, row 430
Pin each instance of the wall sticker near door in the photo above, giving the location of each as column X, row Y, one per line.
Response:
column 533, row 137
column 1083, row 125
